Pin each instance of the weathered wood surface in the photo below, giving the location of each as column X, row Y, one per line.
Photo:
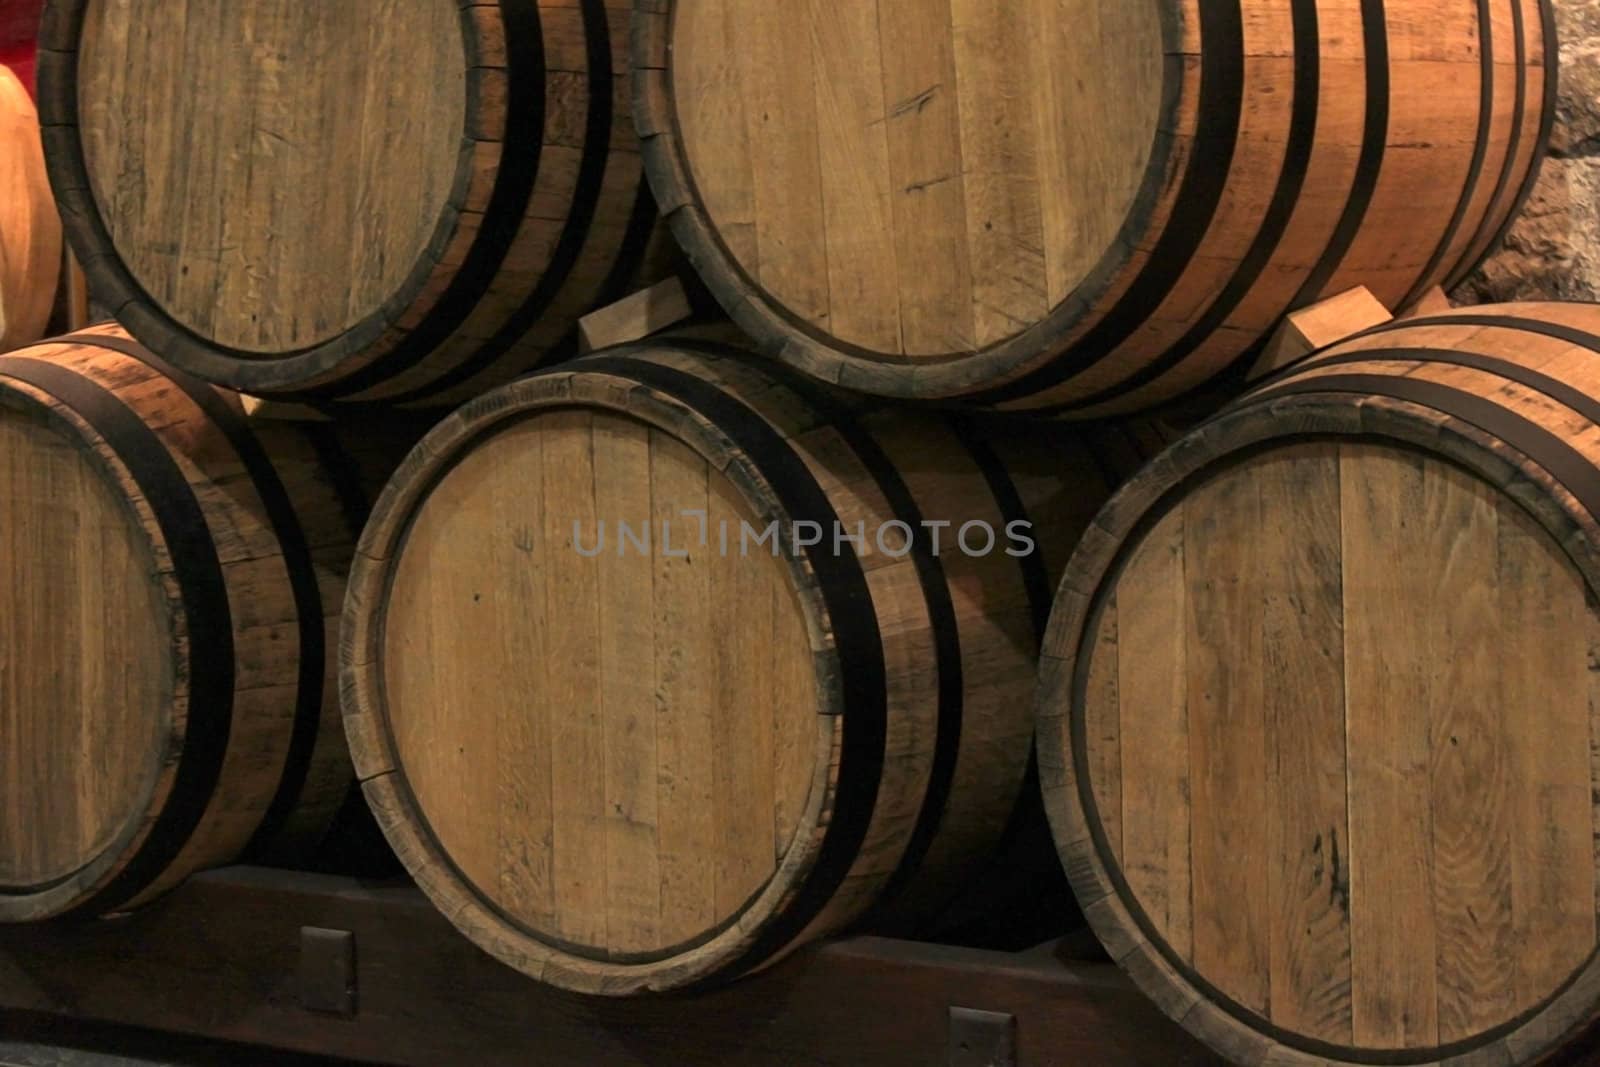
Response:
column 1079, row 208
column 1319, row 719
column 362, row 201
column 630, row 731
column 171, row 577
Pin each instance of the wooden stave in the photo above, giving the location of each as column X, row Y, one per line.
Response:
column 820, row 886
column 1040, row 370
column 1289, row 407
column 189, row 821
column 386, row 359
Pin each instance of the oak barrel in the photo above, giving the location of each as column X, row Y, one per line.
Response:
column 1079, row 207
column 170, row 578
column 30, row 229
column 663, row 752
column 1319, row 718
column 355, row 201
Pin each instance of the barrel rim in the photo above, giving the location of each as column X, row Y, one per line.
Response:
column 69, row 891
column 140, row 313
column 1112, row 910
column 783, row 335
column 376, row 756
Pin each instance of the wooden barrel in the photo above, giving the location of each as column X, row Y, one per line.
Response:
column 1079, row 207
column 170, row 576
column 1319, row 707
column 666, row 751
column 350, row 201
column 30, row 229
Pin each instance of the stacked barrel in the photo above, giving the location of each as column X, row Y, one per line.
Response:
column 354, row 202
column 1081, row 208
column 173, row 576
column 653, row 672
column 329, row 195
column 1317, row 715
column 660, row 663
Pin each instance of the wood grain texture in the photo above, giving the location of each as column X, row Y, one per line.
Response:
column 1152, row 613
column 1304, row 674
column 577, row 713
column 1365, row 597
column 87, row 621
column 279, row 157
column 1391, row 660
column 930, row 157
column 30, row 230
column 1227, row 737
column 166, row 699
column 724, row 744
column 377, row 201
column 1079, row 207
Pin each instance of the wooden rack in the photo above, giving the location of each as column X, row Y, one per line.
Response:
column 333, row 967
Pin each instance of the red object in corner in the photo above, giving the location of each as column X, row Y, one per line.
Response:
column 19, row 22
column 19, row 30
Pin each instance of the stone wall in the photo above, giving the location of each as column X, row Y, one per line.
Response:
column 1553, row 250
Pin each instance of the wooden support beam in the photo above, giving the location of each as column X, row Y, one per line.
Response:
column 226, row 958
column 257, row 407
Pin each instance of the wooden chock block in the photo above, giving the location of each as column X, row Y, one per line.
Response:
column 1320, row 325
column 1433, row 302
column 256, row 407
column 646, row 312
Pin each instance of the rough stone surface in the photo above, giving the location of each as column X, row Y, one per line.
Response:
column 1553, row 250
